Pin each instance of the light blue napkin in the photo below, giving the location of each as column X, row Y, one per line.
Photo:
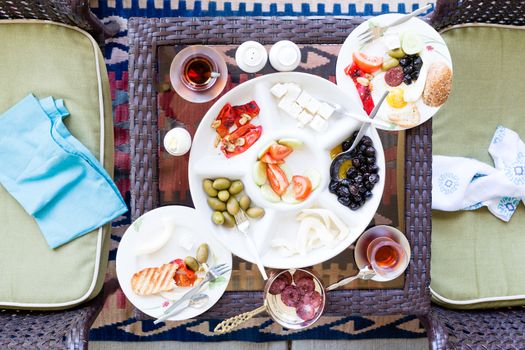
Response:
column 51, row 174
column 467, row 184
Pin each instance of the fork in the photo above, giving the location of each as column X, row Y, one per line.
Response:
column 361, row 118
column 375, row 32
column 211, row 275
column 243, row 224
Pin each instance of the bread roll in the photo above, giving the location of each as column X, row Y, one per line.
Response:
column 438, row 84
column 153, row 280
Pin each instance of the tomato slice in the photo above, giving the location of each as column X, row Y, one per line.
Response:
column 184, row 277
column 302, row 187
column 279, row 152
column 277, row 178
column 367, row 63
column 268, row 159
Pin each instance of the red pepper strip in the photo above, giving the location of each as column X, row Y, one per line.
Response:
column 227, row 117
column 249, row 132
column 251, row 109
column 365, row 94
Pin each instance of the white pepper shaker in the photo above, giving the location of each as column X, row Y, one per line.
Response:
column 285, row 56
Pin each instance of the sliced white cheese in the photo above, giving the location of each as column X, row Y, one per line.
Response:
column 313, row 106
column 318, row 123
column 325, row 110
column 279, row 90
column 293, row 91
column 304, row 117
column 303, row 99
column 391, row 41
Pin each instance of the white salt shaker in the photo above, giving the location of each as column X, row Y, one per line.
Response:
column 285, row 56
column 177, row 141
column 251, row 56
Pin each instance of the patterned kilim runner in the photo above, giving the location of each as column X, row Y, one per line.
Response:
column 117, row 322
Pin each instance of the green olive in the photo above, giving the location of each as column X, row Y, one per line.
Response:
column 221, row 184
column 208, row 188
column 389, row 63
column 224, row 195
column 216, row 204
column 232, row 206
column 217, row 218
column 396, row 53
column 245, row 202
column 203, row 251
column 229, row 221
column 236, row 187
column 191, row 263
column 255, row 212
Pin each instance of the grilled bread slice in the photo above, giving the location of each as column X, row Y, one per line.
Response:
column 153, row 280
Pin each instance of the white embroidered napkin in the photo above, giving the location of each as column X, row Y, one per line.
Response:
column 467, row 184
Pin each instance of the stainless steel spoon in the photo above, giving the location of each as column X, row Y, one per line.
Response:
column 360, row 134
column 197, row 301
column 365, row 273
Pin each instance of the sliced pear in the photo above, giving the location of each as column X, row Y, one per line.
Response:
column 314, row 176
column 292, row 143
column 259, row 173
column 269, row 194
column 289, row 196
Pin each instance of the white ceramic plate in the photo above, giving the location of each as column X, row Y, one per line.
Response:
column 434, row 47
column 280, row 218
column 187, row 222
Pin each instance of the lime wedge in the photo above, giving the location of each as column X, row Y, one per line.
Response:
column 411, row 43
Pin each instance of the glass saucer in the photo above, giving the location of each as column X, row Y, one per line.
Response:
column 204, row 95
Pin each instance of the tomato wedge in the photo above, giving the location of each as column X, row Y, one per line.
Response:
column 277, row 179
column 302, row 187
column 268, row 159
column 279, row 152
column 184, row 277
column 368, row 64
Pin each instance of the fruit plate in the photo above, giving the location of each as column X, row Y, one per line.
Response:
column 188, row 231
column 280, row 219
column 433, row 52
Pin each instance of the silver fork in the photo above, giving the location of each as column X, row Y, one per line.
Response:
column 243, row 224
column 375, row 32
column 211, row 275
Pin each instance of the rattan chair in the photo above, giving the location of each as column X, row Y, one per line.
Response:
column 67, row 329
column 476, row 329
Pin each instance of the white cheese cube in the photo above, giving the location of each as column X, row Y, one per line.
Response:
column 318, row 123
column 294, row 110
column 293, row 91
column 304, row 117
column 325, row 110
column 303, row 99
column 313, row 106
column 391, row 41
column 278, row 90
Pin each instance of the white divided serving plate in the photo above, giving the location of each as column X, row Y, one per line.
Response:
column 279, row 220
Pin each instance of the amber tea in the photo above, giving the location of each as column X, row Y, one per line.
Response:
column 198, row 73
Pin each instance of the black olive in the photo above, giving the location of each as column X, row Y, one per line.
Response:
column 346, row 145
column 344, row 200
column 366, row 176
column 369, row 185
column 354, row 190
column 362, row 148
column 362, row 158
column 344, row 182
column 373, row 168
column 367, row 141
column 368, row 194
column 362, row 189
column 351, row 172
column 370, row 152
column 408, row 69
column 407, row 80
column 356, row 162
column 358, row 179
column 370, row 161
column 333, row 186
column 403, row 61
column 414, row 75
column 374, row 178
column 342, row 191
column 354, row 206
column 418, row 61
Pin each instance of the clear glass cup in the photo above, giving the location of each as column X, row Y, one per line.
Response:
column 387, row 257
column 199, row 72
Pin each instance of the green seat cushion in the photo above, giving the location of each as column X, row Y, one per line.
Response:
column 477, row 259
column 46, row 59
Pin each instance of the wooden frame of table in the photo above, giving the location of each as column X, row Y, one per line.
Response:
column 147, row 33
